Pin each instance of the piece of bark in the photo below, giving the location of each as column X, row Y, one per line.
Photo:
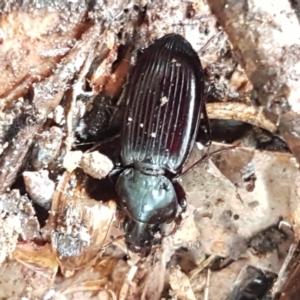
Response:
column 266, row 38
column 32, row 46
column 79, row 226
column 46, row 148
column 47, row 95
column 289, row 129
column 17, row 220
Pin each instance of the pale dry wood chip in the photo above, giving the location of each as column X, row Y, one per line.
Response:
column 181, row 285
column 39, row 187
column 72, row 160
column 96, row 164
column 239, row 112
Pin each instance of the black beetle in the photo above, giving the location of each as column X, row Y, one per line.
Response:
column 164, row 101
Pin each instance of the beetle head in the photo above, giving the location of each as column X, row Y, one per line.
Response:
column 148, row 201
column 139, row 237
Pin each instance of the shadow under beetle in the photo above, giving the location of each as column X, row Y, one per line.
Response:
column 163, row 105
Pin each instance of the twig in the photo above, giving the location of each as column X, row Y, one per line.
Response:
column 202, row 266
column 206, row 290
column 125, row 287
column 239, row 112
column 282, row 275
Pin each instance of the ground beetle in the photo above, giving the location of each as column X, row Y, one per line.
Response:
column 164, row 102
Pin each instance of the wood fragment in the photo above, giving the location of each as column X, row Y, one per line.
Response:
column 289, row 129
column 79, row 225
column 48, row 94
column 31, row 46
column 284, row 272
column 181, row 285
column 239, row 112
column 206, row 290
column 125, row 287
column 76, row 91
column 266, row 39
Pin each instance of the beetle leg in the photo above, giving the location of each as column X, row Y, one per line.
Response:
column 181, row 195
column 207, row 123
column 167, row 231
column 204, row 133
column 114, row 174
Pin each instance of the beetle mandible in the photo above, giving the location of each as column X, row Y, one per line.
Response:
column 164, row 100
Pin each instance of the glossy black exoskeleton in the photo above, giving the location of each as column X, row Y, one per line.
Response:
column 252, row 284
column 164, row 101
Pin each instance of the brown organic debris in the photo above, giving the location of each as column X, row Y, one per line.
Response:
column 239, row 112
column 24, row 55
column 48, row 94
column 39, row 187
column 68, row 59
column 181, row 285
column 17, row 221
column 268, row 47
column 79, row 225
column 47, row 148
column 41, row 259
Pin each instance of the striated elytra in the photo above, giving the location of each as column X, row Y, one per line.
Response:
column 164, row 101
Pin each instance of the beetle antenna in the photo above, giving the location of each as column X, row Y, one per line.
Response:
column 113, row 239
column 209, row 41
column 204, row 158
column 96, row 145
column 154, row 257
column 127, row 252
column 83, row 144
